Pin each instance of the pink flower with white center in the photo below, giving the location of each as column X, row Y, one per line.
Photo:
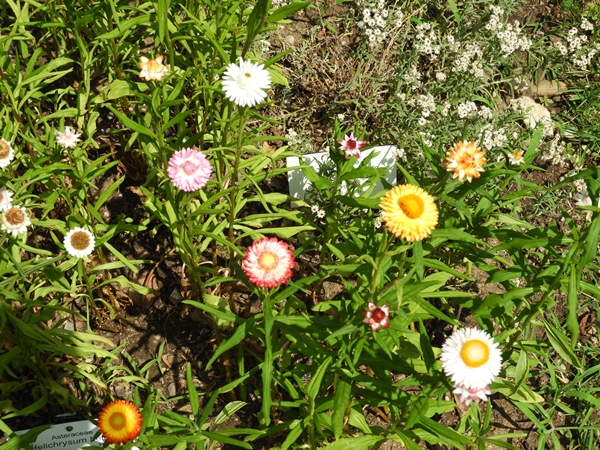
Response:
column 268, row 262
column 67, row 138
column 467, row 395
column 189, row 170
column 5, row 199
column 377, row 317
column 351, row 145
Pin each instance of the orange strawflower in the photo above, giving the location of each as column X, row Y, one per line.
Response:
column 120, row 422
column 465, row 160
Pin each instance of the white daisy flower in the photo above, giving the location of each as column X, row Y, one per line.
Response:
column 7, row 154
column 67, row 138
column 15, row 220
column 79, row 242
column 516, row 158
column 5, row 198
column 471, row 358
column 244, row 84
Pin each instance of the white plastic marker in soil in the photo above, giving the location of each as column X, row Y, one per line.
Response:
column 385, row 158
column 68, row 436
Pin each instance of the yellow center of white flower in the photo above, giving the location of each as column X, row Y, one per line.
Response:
column 475, row 353
column 4, row 149
column 80, row 240
column 412, row 206
column 117, row 420
column 14, row 216
column 268, row 261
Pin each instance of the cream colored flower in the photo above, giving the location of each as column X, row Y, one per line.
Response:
column 152, row 69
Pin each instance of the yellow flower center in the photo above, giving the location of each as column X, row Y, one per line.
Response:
column 14, row 216
column 412, row 206
column 475, row 353
column 268, row 261
column 117, row 420
column 80, row 240
column 4, row 150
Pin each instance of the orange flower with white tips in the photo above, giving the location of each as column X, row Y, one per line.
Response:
column 268, row 262
column 465, row 160
column 120, row 422
column 152, row 69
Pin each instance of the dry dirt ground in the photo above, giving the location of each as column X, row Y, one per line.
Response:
column 319, row 89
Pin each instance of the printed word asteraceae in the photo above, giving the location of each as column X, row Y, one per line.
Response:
column 268, row 262
column 245, row 83
column 189, row 170
column 409, row 212
column 465, row 160
column 377, row 316
column 152, row 69
column 350, row 145
column 120, row 422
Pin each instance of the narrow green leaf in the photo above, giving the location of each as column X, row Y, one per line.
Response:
column 192, row 393
column 341, row 400
column 573, row 305
column 560, row 343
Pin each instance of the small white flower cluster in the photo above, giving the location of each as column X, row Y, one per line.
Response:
column 399, row 153
column 511, row 40
column 279, row 3
column 493, row 138
column 399, row 18
column 425, row 102
column 374, row 21
column 446, row 109
column 427, row 139
column 426, row 40
column 413, row 77
column 318, row 211
column 470, row 61
column 556, row 152
column 466, row 109
column 509, row 35
column 495, row 22
column 296, row 139
column 580, row 186
column 377, row 222
column 582, row 51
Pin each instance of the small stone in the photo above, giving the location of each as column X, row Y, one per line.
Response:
column 548, row 88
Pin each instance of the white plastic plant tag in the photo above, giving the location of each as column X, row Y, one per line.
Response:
column 299, row 184
column 67, row 436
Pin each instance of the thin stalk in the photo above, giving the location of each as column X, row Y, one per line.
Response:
column 267, row 370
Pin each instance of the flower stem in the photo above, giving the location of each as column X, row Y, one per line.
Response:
column 267, row 369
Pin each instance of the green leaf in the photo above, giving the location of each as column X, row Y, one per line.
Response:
column 560, row 343
column 355, row 443
column 285, row 11
column 573, row 305
column 192, row 393
column 133, row 126
column 341, row 400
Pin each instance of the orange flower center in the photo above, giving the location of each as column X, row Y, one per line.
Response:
column 467, row 160
column 4, row 150
column 475, row 353
column 268, row 261
column 80, row 240
column 14, row 216
column 412, row 206
column 117, row 420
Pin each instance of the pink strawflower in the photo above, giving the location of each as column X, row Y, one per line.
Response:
column 67, row 138
column 268, row 262
column 189, row 170
column 467, row 395
column 377, row 317
column 351, row 145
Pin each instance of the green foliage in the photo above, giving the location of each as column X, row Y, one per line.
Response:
column 318, row 372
